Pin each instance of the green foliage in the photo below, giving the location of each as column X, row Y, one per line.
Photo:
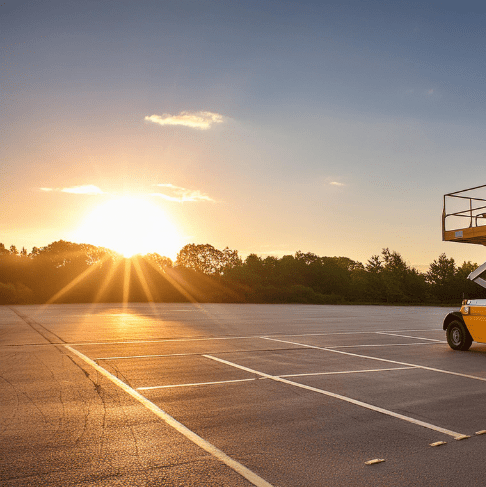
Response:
column 442, row 278
column 207, row 259
column 69, row 272
column 390, row 279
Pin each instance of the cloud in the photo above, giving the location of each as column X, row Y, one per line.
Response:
column 181, row 195
column 195, row 120
column 88, row 189
column 335, row 183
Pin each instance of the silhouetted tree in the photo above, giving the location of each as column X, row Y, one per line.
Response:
column 85, row 273
column 160, row 261
column 442, row 279
column 207, row 259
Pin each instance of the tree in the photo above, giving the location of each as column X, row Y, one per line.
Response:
column 442, row 279
column 466, row 287
column 231, row 259
column 374, row 264
column 441, row 271
column 392, row 280
column 35, row 251
column 159, row 261
column 307, row 258
column 207, row 259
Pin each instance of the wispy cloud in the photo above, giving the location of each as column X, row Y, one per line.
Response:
column 181, row 195
column 88, row 189
column 335, row 183
column 195, row 120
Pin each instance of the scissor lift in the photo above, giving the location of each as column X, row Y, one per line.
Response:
column 464, row 221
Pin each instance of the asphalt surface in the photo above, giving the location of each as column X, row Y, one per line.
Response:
column 237, row 395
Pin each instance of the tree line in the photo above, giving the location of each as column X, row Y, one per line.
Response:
column 66, row 272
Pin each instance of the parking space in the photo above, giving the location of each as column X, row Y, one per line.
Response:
column 217, row 384
column 294, row 405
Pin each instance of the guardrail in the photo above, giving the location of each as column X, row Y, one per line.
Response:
column 467, row 219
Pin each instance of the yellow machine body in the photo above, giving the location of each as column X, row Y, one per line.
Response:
column 474, row 315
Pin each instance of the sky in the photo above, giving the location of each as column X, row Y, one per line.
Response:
column 332, row 127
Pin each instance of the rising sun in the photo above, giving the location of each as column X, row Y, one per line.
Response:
column 130, row 226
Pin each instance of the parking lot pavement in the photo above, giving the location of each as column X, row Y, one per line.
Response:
column 178, row 394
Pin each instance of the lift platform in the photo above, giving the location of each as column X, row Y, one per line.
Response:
column 464, row 216
column 464, row 221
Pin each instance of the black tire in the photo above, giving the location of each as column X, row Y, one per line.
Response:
column 458, row 336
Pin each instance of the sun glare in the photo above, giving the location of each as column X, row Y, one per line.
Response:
column 130, row 226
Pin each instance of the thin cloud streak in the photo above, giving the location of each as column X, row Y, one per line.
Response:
column 181, row 195
column 335, row 183
column 88, row 189
column 195, row 120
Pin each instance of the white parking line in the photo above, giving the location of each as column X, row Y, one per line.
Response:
column 424, row 367
column 408, row 336
column 346, row 372
column 309, row 374
column 382, row 345
column 248, row 337
column 362, row 404
column 347, row 333
column 161, row 340
column 166, row 355
column 202, row 443
column 149, row 388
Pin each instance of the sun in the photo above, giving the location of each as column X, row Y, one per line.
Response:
column 130, row 226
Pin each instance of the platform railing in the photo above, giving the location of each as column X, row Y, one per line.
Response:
column 473, row 209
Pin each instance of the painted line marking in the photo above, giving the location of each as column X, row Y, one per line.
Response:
column 347, row 333
column 195, row 384
column 345, row 372
column 482, row 432
column 462, row 437
column 377, row 409
column 201, row 339
column 310, row 374
column 423, row 367
column 375, row 461
column 167, row 355
column 382, row 345
column 124, row 357
column 438, row 443
column 184, row 430
column 194, row 354
column 407, row 336
column 162, row 340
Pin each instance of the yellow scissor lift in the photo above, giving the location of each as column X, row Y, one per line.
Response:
column 464, row 221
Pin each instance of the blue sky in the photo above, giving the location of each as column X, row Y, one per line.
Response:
column 342, row 123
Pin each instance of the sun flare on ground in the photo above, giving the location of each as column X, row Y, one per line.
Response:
column 130, row 226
